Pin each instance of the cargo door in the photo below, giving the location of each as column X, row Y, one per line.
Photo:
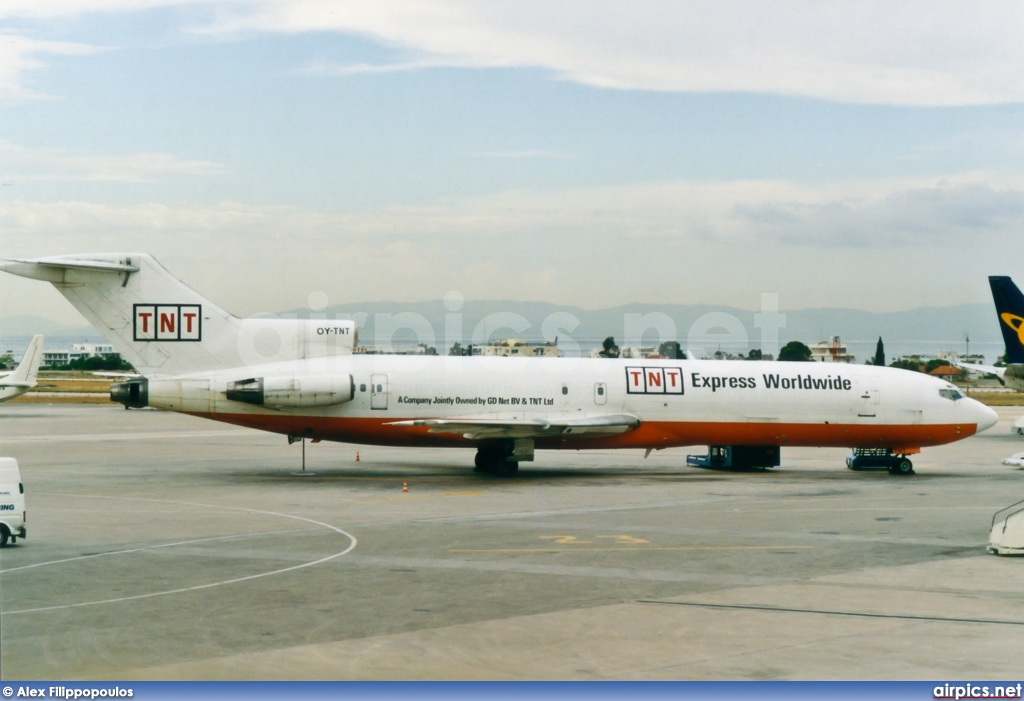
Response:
column 378, row 391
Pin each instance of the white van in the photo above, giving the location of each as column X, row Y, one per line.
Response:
column 12, row 502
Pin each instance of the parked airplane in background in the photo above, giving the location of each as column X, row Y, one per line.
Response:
column 1010, row 311
column 300, row 378
column 22, row 378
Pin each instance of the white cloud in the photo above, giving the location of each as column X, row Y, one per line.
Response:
column 22, row 163
column 923, row 52
column 20, row 54
column 875, row 244
column 918, row 52
column 900, row 212
column 42, row 9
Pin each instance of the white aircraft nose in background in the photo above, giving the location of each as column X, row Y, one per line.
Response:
column 987, row 416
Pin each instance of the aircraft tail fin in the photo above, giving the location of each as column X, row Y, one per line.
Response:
column 29, row 366
column 164, row 327
column 1010, row 309
column 158, row 323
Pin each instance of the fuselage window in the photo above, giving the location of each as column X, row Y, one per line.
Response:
column 362, row 388
column 565, row 390
column 600, row 391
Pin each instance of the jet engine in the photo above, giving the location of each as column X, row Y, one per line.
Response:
column 287, row 392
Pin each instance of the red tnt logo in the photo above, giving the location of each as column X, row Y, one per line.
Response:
column 654, row 380
column 168, row 322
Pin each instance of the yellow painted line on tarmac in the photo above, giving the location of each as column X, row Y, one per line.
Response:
column 407, row 497
column 628, row 549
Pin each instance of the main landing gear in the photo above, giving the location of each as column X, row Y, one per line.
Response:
column 502, row 458
column 879, row 458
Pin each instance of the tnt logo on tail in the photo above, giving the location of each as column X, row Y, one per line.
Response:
column 168, row 322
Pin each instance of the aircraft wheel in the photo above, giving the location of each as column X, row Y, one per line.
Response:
column 4, row 535
column 902, row 466
column 480, row 461
column 1020, row 431
column 505, row 468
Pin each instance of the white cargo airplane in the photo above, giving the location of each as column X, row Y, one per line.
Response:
column 300, row 378
column 22, row 378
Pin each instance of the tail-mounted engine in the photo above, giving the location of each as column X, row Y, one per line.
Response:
column 134, row 394
column 283, row 392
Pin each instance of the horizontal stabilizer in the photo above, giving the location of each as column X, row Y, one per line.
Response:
column 51, row 268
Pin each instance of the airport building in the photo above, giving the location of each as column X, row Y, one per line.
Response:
column 518, row 347
column 52, row 358
column 830, row 351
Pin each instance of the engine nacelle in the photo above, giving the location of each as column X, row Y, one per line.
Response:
column 284, row 391
column 134, row 394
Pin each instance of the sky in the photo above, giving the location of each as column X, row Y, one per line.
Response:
column 863, row 154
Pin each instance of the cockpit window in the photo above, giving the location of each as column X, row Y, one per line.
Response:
column 950, row 394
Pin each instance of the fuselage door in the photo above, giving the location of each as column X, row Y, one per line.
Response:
column 378, row 391
column 868, row 403
column 600, row 393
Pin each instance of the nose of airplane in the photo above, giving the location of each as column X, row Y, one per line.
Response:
column 987, row 417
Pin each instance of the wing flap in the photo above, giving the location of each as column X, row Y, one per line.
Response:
column 484, row 428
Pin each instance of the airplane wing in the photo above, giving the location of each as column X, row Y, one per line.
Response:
column 981, row 369
column 478, row 429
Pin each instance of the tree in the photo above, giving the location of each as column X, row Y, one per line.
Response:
column 755, row 354
column 93, row 363
column 936, row 363
column 879, row 354
column 907, row 365
column 610, row 349
column 671, row 349
column 795, row 351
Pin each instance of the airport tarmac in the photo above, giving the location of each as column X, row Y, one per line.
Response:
column 162, row 546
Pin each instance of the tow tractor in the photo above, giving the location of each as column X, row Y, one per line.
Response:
column 736, row 457
column 879, row 459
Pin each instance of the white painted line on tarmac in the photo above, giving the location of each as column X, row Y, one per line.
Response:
column 237, row 536
column 352, row 546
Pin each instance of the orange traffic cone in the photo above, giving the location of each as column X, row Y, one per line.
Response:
column 357, row 456
column 405, row 487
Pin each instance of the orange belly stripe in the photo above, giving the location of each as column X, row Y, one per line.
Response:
column 651, row 434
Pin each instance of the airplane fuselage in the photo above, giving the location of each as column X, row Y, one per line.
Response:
column 677, row 402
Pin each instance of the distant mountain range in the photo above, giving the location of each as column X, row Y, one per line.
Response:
column 931, row 324
column 28, row 325
column 530, row 320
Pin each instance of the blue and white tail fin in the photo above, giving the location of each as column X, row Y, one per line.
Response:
column 1010, row 309
column 163, row 327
